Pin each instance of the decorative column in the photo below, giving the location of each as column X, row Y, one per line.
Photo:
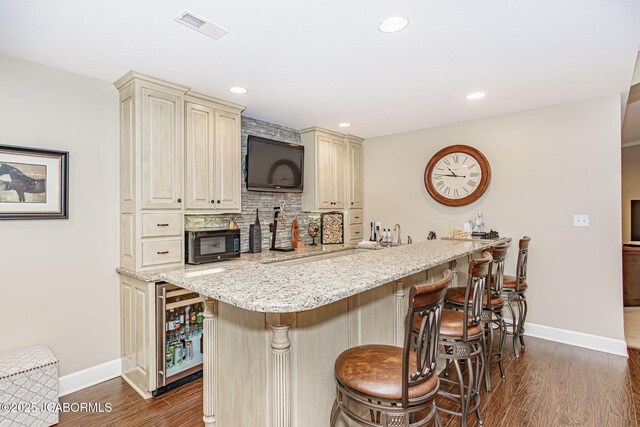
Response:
column 210, row 352
column 280, row 368
column 401, row 312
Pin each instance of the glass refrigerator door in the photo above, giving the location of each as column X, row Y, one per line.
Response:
column 183, row 321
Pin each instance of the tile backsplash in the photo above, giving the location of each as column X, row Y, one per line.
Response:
column 264, row 201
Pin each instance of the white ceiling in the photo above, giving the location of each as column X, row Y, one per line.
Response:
column 321, row 62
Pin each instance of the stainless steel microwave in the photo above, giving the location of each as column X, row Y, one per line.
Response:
column 211, row 245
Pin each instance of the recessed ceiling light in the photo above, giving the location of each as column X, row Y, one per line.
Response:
column 344, row 125
column 238, row 90
column 476, row 95
column 393, row 24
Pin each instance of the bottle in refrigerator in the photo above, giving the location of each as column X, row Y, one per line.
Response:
column 189, row 350
column 194, row 314
column 171, row 315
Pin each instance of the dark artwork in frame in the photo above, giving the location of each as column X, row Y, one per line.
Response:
column 34, row 183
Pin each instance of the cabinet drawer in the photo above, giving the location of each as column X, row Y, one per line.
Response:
column 355, row 232
column 161, row 252
column 355, row 216
column 161, row 224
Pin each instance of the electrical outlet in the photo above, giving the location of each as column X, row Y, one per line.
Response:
column 581, row 220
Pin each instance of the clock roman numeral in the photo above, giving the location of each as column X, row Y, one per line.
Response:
column 455, row 192
column 439, row 184
column 446, row 161
column 475, row 174
column 472, row 183
column 446, row 191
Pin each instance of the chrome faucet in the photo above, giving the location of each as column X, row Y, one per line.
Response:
column 409, row 240
column 396, row 228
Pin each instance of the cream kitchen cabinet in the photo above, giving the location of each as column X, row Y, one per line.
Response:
column 326, row 170
column 137, row 334
column 162, row 164
column 213, row 163
column 179, row 152
column 355, row 172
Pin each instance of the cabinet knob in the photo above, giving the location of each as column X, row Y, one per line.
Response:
column 163, row 252
column 179, row 200
column 213, row 201
column 217, row 201
column 351, row 202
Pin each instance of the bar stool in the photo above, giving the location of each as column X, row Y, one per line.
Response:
column 514, row 289
column 395, row 383
column 492, row 306
column 461, row 340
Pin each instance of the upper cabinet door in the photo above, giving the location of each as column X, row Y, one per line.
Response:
column 227, row 170
column 162, row 161
column 355, row 186
column 325, row 173
column 200, row 144
column 338, row 173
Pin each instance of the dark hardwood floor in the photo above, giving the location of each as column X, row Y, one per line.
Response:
column 551, row 384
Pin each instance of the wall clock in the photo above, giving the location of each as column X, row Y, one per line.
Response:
column 457, row 175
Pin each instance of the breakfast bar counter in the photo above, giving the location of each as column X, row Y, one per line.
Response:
column 275, row 322
column 268, row 282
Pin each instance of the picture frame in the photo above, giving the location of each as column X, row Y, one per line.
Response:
column 331, row 228
column 34, row 183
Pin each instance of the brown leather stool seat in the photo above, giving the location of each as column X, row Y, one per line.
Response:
column 376, row 370
column 510, row 284
column 456, row 296
column 452, row 324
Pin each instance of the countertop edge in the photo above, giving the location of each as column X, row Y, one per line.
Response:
column 160, row 276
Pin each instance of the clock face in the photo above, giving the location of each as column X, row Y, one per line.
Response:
column 457, row 175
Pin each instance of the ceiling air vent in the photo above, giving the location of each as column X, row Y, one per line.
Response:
column 201, row 25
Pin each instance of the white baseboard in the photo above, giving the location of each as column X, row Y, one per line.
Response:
column 88, row 377
column 578, row 339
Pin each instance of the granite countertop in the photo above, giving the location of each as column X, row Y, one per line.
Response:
column 257, row 282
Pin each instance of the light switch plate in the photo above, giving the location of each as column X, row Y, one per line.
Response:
column 581, row 220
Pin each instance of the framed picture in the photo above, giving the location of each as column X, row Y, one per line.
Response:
column 34, row 183
column 331, row 228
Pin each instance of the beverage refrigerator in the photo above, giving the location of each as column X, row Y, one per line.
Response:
column 179, row 322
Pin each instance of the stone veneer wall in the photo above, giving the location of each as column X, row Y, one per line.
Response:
column 264, row 201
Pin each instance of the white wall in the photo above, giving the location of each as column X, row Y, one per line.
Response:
column 58, row 285
column 547, row 165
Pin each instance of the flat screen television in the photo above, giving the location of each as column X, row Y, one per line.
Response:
column 274, row 165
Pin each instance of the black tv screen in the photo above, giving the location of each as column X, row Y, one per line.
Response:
column 274, row 165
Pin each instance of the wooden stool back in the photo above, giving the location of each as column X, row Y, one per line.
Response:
column 425, row 302
column 521, row 266
column 477, row 277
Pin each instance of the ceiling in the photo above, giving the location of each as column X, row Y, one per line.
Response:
column 315, row 62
